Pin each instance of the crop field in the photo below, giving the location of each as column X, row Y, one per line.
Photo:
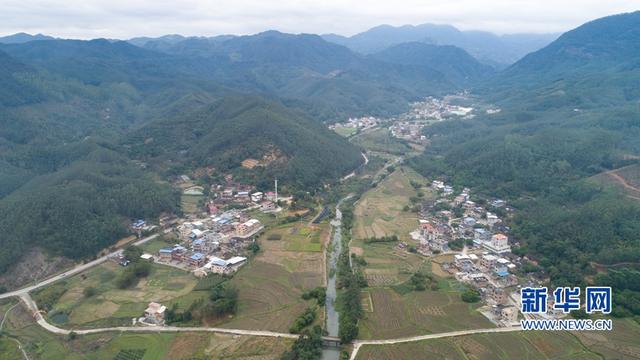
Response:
column 346, row 131
column 380, row 211
column 113, row 306
column 300, row 236
column 380, row 140
column 189, row 203
column 271, row 285
column 387, row 265
column 621, row 343
column 530, row 345
column 418, row 313
column 42, row 345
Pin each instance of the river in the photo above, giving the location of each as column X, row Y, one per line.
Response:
column 333, row 316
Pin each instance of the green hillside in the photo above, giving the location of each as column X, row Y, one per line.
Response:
column 456, row 64
column 225, row 133
column 569, row 111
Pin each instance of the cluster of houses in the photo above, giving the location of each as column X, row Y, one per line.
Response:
column 453, row 217
column 435, row 109
column 408, row 130
column 485, row 261
column 240, row 195
column 203, row 243
column 361, row 123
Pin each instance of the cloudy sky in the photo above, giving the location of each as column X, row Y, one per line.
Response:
column 85, row 19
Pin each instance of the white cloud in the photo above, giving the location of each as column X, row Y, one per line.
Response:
column 127, row 18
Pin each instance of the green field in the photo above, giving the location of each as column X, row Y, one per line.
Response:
column 299, row 236
column 346, row 131
column 113, row 306
column 42, row 345
column 621, row 343
column 380, row 140
column 189, row 203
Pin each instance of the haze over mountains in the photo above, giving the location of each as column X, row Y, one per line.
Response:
column 499, row 50
column 78, row 118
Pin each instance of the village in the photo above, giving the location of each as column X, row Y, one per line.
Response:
column 478, row 239
column 215, row 241
column 408, row 126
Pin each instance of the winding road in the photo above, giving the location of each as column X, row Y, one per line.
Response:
column 23, row 295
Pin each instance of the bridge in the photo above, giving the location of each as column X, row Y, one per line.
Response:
column 331, row 341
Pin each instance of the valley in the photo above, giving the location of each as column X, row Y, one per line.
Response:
column 298, row 197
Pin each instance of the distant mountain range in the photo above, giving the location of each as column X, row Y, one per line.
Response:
column 20, row 38
column 496, row 50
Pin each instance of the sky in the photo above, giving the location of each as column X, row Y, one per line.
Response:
column 123, row 19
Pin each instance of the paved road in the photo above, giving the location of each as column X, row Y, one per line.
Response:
column 75, row 270
column 28, row 301
column 358, row 343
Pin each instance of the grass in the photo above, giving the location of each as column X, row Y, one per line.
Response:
column 299, row 236
column 346, row 131
column 380, row 140
column 113, row 306
column 189, row 203
column 42, row 345
column 626, row 180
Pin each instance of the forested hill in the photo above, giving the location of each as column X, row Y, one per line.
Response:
column 569, row 111
column 455, row 63
column 69, row 186
column 304, row 153
column 594, row 65
column 327, row 80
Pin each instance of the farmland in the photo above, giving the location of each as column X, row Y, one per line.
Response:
column 113, row 306
column 42, row 345
column 271, row 285
column 381, row 212
column 418, row 313
column 619, row 344
column 189, row 203
column 380, row 140
column 386, row 265
column 346, row 131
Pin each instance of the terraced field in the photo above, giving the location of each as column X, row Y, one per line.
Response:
column 418, row 313
column 380, row 211
column 621, row 343
column 271, row 285
column 113, row 306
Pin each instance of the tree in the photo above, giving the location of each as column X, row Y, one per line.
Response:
column 132, row 253
column 470, row 296
column 89, row 291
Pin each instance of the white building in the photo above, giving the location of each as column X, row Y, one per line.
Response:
column 498, row 244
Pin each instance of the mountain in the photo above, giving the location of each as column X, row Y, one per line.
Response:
column 178, row 44
column 497, row 50
column 453, row 62
column 328, row 80
column 71, row 117
column 594, row 65
column 20, row 38
column 569, row 111
column 301, row 151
